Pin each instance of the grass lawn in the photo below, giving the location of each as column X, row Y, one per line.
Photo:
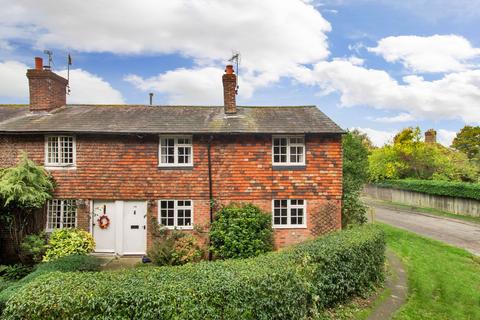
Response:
column 444, row 281
column 426, row 210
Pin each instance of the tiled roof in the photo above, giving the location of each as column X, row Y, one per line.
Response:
column 166, row 119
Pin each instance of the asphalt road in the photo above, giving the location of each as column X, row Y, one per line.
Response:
column 454, row 232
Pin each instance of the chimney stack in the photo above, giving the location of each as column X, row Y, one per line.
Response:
column 229, row 90
column 431, row 136
column 48, row 90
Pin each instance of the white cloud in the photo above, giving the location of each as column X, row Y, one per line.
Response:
column 402, row 117
column 437, row 53
column 275, row 38
column 86, row 87
column 445, row 137
column 456, row 95
column 13, row 82
column 90, row 89
column 378, row 137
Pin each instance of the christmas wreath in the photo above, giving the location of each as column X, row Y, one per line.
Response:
column 104, row 221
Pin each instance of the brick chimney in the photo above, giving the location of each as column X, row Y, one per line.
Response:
column 48, row 90
column 431, row 136
column 229, row 90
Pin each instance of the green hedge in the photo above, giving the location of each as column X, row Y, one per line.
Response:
column 64, row 264
column 290, row 284
column 436, row 187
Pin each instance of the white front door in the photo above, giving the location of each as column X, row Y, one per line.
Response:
column 134, row 227
column 104, row 238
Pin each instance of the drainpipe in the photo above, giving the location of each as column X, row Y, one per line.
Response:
column 210, row 184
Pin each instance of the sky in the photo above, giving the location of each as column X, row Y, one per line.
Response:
column 375, row 65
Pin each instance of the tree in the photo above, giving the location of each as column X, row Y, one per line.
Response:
column 355, row 174
column 23, row 189
column 409, row 157
column 468, row 142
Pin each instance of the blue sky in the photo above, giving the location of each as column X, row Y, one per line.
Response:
column 375, row 65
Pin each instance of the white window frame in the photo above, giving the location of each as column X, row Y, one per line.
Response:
column 61, row 213
column 175, row 148
column 175, row 214
column 288, row 162
column 59, row 164
column 289, row 225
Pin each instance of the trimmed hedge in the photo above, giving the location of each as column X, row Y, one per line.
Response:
column 64, row 264
column 291, row 284
column 436, row 187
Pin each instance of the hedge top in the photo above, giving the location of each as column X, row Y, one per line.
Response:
column 296, row 283
column 436, row 187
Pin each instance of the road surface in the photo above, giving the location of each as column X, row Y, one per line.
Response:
column 458, row 233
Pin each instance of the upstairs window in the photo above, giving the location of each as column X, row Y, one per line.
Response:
column 61, row 214
column 288, row 150
column 176, row 151
column 289, row 213
column 60, row 151
column 176, row 214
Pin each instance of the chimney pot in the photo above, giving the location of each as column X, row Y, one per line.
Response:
column 38, row 63
column 229, row 69
column 229, row 80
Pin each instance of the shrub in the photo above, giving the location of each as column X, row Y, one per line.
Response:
column 33, row 248
column 241, row 231
column 63, row 264
column 173, row 248
column 14, row 272
column 436, row 187
column 64, row 242
column 294, row 283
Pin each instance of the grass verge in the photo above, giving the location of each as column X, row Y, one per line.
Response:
column 444, row 281
column 431, row 211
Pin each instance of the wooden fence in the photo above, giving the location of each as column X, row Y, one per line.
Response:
column 468, row 207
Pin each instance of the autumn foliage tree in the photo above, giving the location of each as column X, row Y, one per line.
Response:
column 410, row 157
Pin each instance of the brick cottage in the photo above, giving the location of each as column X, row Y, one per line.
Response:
column 135, row 162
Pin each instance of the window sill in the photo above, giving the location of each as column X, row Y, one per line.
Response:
column 288, row 167
column 66, row 167
column 179, row 228
column 175, row 167
column 290, row 227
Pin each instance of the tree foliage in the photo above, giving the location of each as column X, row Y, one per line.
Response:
column 24, row 188
column 468, row 142
column 355, row 174
column 409, row 157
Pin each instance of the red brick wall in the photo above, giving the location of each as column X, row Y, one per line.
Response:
column 47, row 90
column 126, row 168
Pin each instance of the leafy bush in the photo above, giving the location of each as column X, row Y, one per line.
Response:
column 14, row 272
column 64, row 242
column 173, row 248
column 23, row 189
column 241, row 231
column 355, row 174
column 295, row 283
column 63, row 264
column 436, row 187
column 33, row 248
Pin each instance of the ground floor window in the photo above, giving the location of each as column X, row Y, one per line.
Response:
column 61, row 214
column 289, row 213
column 176, row 213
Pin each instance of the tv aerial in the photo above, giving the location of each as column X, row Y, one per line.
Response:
column 49, row 53
column 236, row 59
